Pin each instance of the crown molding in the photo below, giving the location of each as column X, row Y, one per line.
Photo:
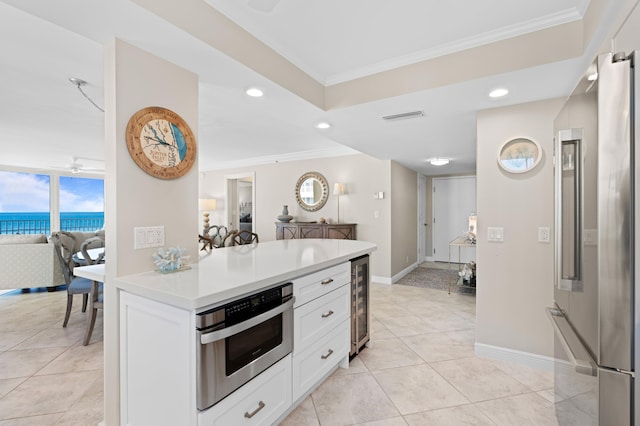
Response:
column 489, row 37
column 282, row 158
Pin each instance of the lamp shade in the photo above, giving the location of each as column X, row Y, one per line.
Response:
column 207, row 204
column 338, row 189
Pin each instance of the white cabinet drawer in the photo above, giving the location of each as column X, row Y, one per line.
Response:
column 260, row 402
column 318, row 317
column 311, row 365
column 315, row 285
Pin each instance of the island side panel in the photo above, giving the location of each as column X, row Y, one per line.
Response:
column 157, row 359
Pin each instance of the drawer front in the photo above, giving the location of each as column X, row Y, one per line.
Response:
column 319, row 283
column 317, row 360
column 260, row 402
column 318, row 317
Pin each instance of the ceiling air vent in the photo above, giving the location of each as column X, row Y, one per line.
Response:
column 403, row 116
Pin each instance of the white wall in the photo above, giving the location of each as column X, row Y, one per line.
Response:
column 274, row 187
column 515, row 277
column 134, row 80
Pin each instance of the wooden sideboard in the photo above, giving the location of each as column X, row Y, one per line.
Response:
column 298, row 230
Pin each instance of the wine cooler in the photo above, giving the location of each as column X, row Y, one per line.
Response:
column 360, row 316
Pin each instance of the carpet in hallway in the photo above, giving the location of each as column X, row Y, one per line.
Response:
column 432, row 278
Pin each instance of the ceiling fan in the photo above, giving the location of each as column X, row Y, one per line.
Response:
column 76, row 167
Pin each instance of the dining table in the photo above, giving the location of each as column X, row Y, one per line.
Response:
column 93, row 272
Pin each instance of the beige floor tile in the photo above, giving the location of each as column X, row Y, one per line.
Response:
column 7, row 385
column 434, row 347
column 388, row 310
column 462, row 415
column 77, row 358
column 356, row 366
column 84, row 417
column 356, row 398
column 449, row 322
column 479, row 379
column 522, row 410
column 549, row 395
column 407, row 325
column 394, row 421
column 51, row 394
column 53, row 337
column 46, row 420
column 303, row 415
column 9, row 339
column 26, row 362
column 418, row 388
column 534, row 379
column 389, row 353
column 379, row 331
column 21, row 321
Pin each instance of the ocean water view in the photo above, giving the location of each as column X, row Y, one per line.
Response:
column 39, row 223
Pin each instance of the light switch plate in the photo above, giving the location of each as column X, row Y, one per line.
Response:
column 495, row 234
column 149, row 236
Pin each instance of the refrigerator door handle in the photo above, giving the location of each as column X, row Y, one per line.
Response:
column 578, row 355
column 569, row 209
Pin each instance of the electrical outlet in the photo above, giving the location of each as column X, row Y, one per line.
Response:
column 150, row 236
column 544, row 234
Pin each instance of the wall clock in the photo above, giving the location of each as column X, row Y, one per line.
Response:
column 161, row 143
column 519, row 155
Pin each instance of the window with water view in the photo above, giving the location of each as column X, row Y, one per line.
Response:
column 25, row 204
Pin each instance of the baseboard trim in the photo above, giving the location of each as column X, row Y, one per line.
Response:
column 381, row 280
column 404, row 272
column 539, row 362
column 395, row 278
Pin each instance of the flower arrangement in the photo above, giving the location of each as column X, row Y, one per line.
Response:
column 170, row 260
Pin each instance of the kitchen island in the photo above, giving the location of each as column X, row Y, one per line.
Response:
column 159, row 343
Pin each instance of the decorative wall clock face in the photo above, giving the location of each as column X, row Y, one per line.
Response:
column 161, row 143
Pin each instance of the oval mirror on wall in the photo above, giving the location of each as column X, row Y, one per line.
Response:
column 312, row 191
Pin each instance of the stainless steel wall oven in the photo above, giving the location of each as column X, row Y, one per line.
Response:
column 239, row 340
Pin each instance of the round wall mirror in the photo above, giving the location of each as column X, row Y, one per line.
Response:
column 312, row 191
column 519, row 155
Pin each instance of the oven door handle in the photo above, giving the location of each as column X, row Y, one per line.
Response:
column 214, row 336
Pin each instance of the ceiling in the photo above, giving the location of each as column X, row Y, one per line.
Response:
column 46, row 121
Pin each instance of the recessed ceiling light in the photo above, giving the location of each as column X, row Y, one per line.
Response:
column 439, row 161
column 254, row 92
column 592, row 76
column 498, row 93
column 322, row 125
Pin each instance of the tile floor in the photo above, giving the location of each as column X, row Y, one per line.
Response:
column 420, row 370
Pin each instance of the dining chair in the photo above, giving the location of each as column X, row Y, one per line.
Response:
column 88, row 244
column 96, row 302
column 65, row 244
column 245, row 237
column 213, row 236
column 227, row 241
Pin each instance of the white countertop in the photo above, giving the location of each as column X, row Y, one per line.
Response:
column 231, row 272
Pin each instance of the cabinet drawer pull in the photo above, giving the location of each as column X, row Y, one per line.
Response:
column 328, row 354
column 261, row 405
column 327, row 314
column 327, row 281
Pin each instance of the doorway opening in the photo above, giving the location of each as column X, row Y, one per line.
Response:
column 240, row 208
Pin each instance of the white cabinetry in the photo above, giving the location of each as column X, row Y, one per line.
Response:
column 260, row 402
column 158, row 358
column 321, row 326
column 157, row 363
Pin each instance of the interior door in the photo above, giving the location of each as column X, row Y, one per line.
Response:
column 454, row 199
column 422, row 218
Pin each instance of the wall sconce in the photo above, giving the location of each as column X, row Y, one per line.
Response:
column 338, row 189
column 206, row 205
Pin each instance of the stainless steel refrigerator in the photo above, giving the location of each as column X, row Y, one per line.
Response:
column 595, row 314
